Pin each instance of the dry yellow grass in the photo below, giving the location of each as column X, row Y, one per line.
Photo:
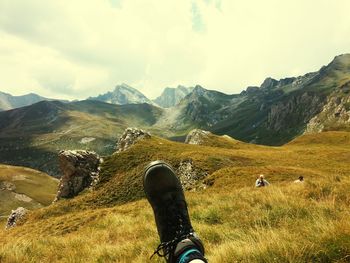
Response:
column 283, row 223
column 29, row 188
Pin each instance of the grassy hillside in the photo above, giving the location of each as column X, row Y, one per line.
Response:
column 24, row 187
column 285, row 222
column 32, row 136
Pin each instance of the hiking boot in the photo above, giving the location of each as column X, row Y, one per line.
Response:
column 164, row 192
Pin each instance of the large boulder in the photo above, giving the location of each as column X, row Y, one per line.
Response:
column 189, row 175
column 197, row 136
column 80, row 171
column 130, row 137
column 15, row 217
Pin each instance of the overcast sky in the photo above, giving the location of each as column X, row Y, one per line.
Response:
column 78, row 48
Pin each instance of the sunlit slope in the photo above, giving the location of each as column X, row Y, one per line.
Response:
column 25, row 187
column 32, row 136
column 283, row 223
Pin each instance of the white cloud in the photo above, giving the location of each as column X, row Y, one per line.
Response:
column 76, row 49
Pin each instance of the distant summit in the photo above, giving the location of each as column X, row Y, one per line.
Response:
column 172, row 96
column 9, row 102
column 123, row 94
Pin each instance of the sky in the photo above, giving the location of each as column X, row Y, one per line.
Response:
column 76, row 49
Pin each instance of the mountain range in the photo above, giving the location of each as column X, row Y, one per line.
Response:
column 306, row 119
column 272, row 114
column 8, row 102
column 124, row 94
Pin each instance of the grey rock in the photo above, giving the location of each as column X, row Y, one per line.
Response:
column 197, row 136
column 15, row 217
column 7, row 186
column 189, row 175
column 130, row 137
column 335, row 113
column 297, row 109
column 80, row 171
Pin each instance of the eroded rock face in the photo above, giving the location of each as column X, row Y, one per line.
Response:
column 15, row 217
column 80, row 171
column 298, row 109
column 130, row 137
column 190, row 175
column 197, row 136
column 335, row 113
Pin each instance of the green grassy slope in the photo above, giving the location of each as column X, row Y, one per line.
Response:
column 25, row 187
column 238, row 223
column 32, row 136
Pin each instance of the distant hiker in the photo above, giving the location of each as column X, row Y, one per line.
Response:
column 261, row 182
column 179, row 242
column 299, row 180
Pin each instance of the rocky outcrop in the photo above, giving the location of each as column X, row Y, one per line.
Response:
column 335, row 113
column 80, row 171
column 15, row 217
column 197, row 136
column 130, row 137
column 190, row 175
column 294, row 112
column 7, row 186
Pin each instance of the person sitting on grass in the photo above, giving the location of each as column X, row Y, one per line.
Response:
column 299, row 180
column 179, row 242
column 261, row 182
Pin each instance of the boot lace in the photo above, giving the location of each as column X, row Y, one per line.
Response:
column 174, row 217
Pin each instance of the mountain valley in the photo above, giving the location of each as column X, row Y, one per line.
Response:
column 272, row 114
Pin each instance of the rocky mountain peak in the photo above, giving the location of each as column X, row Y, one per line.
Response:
column 342, row 58
column 269, row 83
column 339, row 65
column 199, row 90
column 252, row 89
column 172, row 96
column 125, row 87
column 123, row 94
column 8, row 102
